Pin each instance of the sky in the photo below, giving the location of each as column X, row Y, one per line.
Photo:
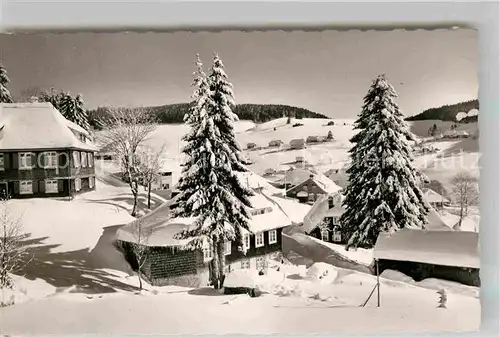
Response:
column 328, row 72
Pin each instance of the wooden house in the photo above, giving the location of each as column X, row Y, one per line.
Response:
column 312, row 139
column 251, row 146
column 307, row 185
column 435, row 199
column 297, row 144
column 275, row 143
column 447, row 255
column 171, row 262
column 42, row 154
column 322, row 220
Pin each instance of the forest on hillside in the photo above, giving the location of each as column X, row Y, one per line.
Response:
column 174, row 113
column 448, row 112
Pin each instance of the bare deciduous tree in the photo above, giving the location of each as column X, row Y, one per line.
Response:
column 140, row 247
column 150, row 164
column 125, row 130
column 466, row 190
column 14, row 253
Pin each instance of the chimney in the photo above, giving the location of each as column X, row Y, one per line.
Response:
column 311, row 176
column 33, row 99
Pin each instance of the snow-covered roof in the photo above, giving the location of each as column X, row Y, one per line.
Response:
column 255, row 181
column 297, row 176
column 436, row 222
column 321, row 209
column 456, row 249
column 432, row 196
column 163, row 227
column 25, row 126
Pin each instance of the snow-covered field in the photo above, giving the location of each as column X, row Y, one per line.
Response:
column 293, row 302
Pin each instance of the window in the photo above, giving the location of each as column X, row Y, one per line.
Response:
column 90, row 159
column 78, row 184
column 50, row 160
column 2, row 165
column 51, row 186
column 26, row 187
column 330, row 202
column 273, row 238
column 336, row 236
column 76, row 159
column 245, row 264
column 227, row 248
column 91, row 182
column 324, row 234
column 83, row 156
column 246, row 241
column 259, row 239
column 25, row 160
column 207, row 253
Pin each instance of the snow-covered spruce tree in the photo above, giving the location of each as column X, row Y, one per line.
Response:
column 67, row 107
column 383, row 193
column 210, row 189
column 5, row 96
column 81, row 116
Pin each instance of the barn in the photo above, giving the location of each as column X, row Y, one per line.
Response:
column 421, row 254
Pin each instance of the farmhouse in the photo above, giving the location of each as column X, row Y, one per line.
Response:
column 447, row 255
column 275, row 143
column 307, row 185
column 435, row 199
column 297, row 144
column 312, row 139
column 42, row 154
column 322, row 221
column 172, row 262
column 251, row 146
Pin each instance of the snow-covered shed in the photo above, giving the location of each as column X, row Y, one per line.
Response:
column 171, row 263
column 420, row 254
column 276, row 143
column 298, row 143
column 435, row 199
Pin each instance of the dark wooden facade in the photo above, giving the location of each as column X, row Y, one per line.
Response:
column 65, row 173
column 330, row 230
column 420, row 271
column 175, row 266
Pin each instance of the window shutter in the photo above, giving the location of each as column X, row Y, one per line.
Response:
column 16, row 187
column 42, row 160
column 42, row 186
column 33, row 160
column 15, row 161
column 60, row 185
column 35, row 186
column 6, row 160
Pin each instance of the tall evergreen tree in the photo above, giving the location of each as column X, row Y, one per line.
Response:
column 5, row 96
column 82, row 118
column 54, row 97
column 67, row 107
column 210, row 188
column 383, row 191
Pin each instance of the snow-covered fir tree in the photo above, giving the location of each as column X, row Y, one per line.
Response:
column 54, row 97
column 81, row 115
column 383, row 191
column 5, row 96
column 67, row 107
column 210, row 188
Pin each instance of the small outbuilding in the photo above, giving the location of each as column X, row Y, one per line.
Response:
column 276, row 143
column 421, row 254
column 297, row 144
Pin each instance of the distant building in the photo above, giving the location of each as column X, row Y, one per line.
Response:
column 312, row 139
column 42, row 154
column 297, row 144
column 275, row 143
column 251, row 146
column 307, row 185
column 435, row 199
